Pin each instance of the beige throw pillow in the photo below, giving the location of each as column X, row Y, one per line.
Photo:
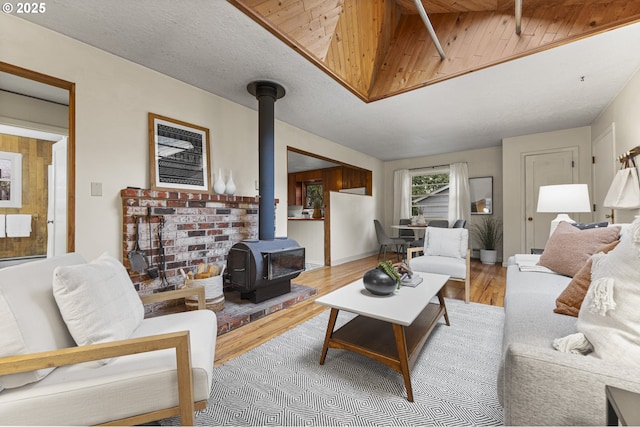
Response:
column 570, row 300
column 569, row 248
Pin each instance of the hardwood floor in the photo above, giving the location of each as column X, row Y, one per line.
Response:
column 487, row 287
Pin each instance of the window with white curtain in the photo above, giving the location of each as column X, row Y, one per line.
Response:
column 430, row 192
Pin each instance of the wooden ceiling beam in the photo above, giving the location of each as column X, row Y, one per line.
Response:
column 518, row 14
column 430, row 30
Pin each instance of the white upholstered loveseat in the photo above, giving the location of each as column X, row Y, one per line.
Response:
column 163, row 367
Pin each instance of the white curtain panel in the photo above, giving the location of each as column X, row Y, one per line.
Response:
column 459, row 198
column 401, row 195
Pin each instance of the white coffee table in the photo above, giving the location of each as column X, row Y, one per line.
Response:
column 390, row 329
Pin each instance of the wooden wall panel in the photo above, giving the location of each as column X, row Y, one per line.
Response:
column 364, row 30
column 473, row 41
column 447, row 6
column 310, row 23
column 36, row 156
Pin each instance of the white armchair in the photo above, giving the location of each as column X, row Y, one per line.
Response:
column 445, row 251
column 148, row 369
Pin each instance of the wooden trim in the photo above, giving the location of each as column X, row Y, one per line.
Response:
column 73, row 355
column 327, row 159
column 71, row 139
column 467, row 279
column 86, row 353
column 178, row 293
column 412, row 251
column 71, row 172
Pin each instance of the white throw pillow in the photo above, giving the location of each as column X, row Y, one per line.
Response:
column 98, row 301
column 609, row 317
column 449, row 242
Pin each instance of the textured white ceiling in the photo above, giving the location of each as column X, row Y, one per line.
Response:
column 212, row 45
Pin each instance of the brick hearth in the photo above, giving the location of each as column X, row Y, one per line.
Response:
column 199, row 228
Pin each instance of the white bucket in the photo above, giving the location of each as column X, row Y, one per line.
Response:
column 213, row 293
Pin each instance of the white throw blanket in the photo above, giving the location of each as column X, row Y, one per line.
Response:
column 574, row 343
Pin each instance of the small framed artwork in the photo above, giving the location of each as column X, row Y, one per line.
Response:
column 481, row 195
column 10, row 179
column 179, row 155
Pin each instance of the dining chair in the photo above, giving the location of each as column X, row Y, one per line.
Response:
column 384, row 240
column 460, row 223
column 440, row 223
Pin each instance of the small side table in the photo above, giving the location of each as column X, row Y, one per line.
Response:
column 623, row 406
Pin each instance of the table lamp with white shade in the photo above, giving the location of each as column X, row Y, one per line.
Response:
column 563, row 199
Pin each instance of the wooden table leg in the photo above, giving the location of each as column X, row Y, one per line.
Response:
column 446, row 314
column 403, row 357
column 332, row 323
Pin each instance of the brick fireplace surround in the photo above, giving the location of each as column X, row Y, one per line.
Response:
column 199, row 228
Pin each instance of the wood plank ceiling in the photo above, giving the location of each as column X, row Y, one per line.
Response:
column 381, row 48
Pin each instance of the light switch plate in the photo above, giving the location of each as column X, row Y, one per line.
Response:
column 96, row 189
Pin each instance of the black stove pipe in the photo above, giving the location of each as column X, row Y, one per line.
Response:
column 266, row 93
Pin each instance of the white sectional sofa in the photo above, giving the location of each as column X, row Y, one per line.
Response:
column 538, row 385
column 167, row 373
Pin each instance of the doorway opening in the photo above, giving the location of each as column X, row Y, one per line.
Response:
column 44, row 140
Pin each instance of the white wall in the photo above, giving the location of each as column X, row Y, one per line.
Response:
column 624, row 111
column 514, row 150
column 310, row 235
column 482, row 162
column 113, row 98
column 31, row 113
column 353, row 234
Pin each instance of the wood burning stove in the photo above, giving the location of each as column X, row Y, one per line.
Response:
column 263, row 269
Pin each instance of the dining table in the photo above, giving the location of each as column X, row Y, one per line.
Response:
column 416, row 228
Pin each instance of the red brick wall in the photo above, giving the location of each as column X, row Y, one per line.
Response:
column 199, row 228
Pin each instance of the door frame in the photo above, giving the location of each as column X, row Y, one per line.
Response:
column 599, row 166
column 71, row 148
column 523, row 185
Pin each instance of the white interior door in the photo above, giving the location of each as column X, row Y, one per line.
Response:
column 58, row 215
column 544, row 169
column 50, row 208
column 604, row 169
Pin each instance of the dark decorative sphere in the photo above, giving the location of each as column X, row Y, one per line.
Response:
column 378, row 282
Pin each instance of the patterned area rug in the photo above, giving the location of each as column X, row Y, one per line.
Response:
column 238, row 312
column 281, row 383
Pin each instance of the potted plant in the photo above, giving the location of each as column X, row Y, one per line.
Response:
column 317, row 207
column 489, row 234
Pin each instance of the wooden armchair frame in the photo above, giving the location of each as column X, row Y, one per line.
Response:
column 467, row 280
column 178, row 340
